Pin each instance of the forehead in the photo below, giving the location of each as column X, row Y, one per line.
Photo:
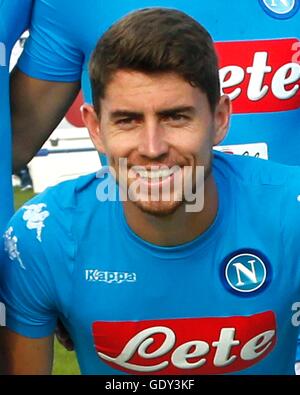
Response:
column 129, row 89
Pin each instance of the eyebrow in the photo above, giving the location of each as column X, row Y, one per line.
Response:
column 169, row 111
column 124, row 113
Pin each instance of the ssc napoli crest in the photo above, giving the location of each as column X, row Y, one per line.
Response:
column 246, row 272
column 281, row 9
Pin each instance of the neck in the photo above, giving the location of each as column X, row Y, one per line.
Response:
column 179, row 227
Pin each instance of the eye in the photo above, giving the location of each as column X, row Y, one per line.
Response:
column 127, row 123
column 176, row 118
column 124, row 121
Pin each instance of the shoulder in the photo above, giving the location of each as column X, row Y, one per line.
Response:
column 52, row 210
column 256, row 172
column 63, row 15
column 43, row 228
column 52, row 51
column 266, row 191
column 53, row 6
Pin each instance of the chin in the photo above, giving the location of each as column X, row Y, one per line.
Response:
column 158, row 209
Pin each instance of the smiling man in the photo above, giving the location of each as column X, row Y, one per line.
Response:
column 164, row 289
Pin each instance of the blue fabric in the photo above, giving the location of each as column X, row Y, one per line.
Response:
column 74, row 257
column 14, row 18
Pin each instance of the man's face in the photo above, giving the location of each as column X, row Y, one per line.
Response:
column 162, row 125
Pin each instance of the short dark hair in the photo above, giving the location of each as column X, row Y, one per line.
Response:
column 155, row 40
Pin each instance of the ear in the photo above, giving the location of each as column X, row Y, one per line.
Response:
column 92, row 123
column 222, row 118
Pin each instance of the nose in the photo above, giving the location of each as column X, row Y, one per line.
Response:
column 152, row 142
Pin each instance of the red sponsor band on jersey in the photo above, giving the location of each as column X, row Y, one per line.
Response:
column 260, row 76
column 186, row 346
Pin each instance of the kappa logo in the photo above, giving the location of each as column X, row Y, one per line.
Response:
column 95, row 275
column 214, row 345
column 35, row 216
column 11, row 246
column 281, row 9
column 245, row 272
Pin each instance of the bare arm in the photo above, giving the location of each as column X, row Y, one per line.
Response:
column 23, row 355
column 37, row 107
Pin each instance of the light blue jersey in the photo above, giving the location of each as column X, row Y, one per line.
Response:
column 14, row 19
column 259, row 62
column 227, row 302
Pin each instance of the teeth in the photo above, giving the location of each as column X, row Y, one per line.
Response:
column 155, row 174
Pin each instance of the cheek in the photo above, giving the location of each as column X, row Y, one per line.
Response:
column 193, row 144
column 118, row 145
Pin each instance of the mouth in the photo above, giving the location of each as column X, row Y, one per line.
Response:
column 154, row 176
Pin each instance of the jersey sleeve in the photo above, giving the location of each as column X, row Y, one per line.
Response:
column 26, row 285
column 52, row 52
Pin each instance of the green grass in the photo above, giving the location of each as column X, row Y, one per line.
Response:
column 65, row 362
column 21, row 197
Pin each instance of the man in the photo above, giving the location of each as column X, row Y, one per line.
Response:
column 166, row 289
column 259, row 70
